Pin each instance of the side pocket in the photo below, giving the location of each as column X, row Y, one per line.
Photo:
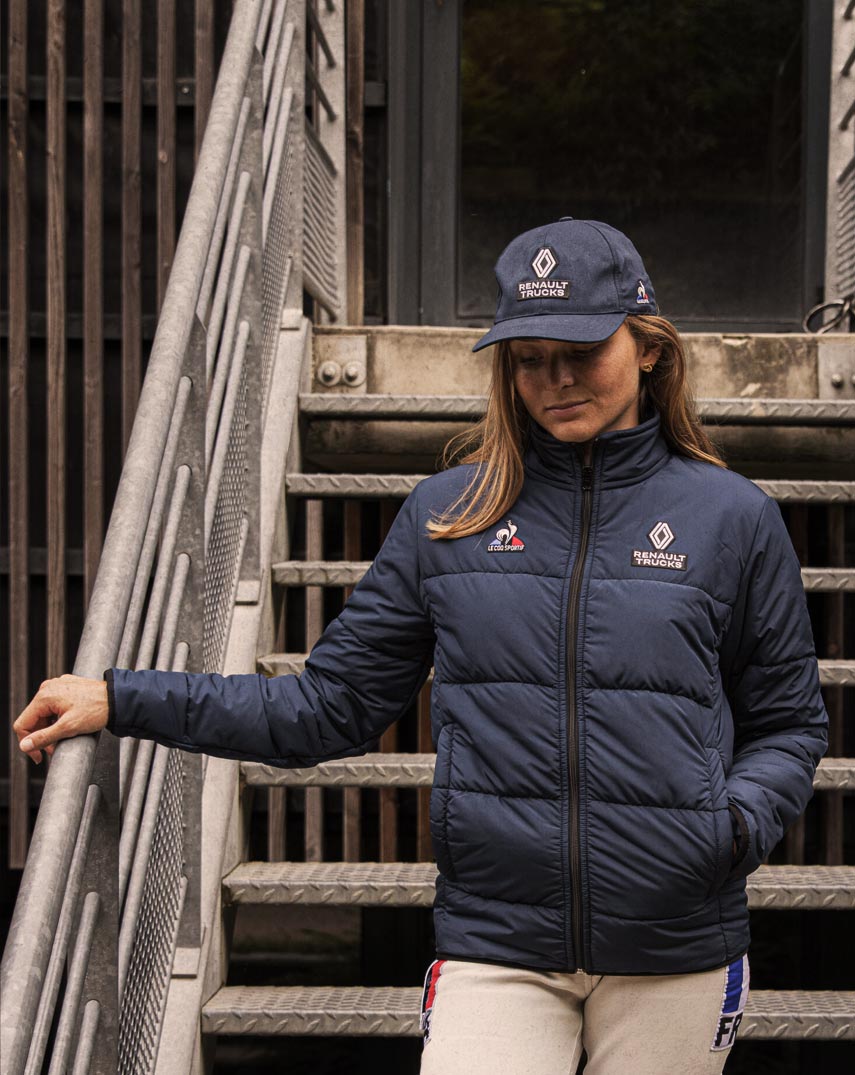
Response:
column 439, row 802
column 724, row 846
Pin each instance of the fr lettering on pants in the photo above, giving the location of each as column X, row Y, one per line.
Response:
column 480, row 1018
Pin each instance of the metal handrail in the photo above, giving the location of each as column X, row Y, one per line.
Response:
column 206, row 383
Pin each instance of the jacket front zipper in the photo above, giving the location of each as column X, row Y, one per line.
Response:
column 572, row 737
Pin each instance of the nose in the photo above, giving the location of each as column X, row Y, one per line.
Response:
column 562, row 370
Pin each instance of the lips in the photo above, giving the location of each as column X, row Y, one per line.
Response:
column 567, row 406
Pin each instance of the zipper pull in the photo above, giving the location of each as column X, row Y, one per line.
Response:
column 587, row 477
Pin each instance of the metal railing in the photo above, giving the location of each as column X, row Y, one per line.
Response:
column 840, row 241
column 111, row 883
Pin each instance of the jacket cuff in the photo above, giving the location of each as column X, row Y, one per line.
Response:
column 111, row 700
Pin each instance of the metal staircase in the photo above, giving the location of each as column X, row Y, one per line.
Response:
column 262, row 415
column 342, row 424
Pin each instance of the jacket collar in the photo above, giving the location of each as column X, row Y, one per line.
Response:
column 620, row 456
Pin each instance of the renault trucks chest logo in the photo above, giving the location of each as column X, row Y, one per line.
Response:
column 506, row 540
column 543, row 263
column 660, row 537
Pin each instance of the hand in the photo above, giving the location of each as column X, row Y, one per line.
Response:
column 79, row 705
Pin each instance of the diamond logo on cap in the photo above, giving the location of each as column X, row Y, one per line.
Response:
column 544, row 262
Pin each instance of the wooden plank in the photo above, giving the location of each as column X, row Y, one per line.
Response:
column 131, row 214
column 352, row 797
column 56, row 356
column 18, row 355
column 93, row 289
column 355, row 161
column 165, row 143
column 314, row 809
column 203, row 69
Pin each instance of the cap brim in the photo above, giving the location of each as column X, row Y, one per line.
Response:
column 576, row 328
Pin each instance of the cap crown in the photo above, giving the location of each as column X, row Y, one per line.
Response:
column 572, row 267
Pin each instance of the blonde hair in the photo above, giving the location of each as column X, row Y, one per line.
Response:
column 497, row 441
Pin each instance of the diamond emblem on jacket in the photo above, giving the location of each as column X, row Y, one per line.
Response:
column 506, row 540
column 544, row 262
column 661, row 536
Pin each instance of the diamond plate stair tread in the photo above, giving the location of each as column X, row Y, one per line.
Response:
column 726, row 410
column 350, row 572
column 361, row 1010
column 318, row 1010
column 400, row 485
column 412, row 884
column 831, row 673
column 416, row 770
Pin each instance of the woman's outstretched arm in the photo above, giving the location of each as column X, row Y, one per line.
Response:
column 361, row 675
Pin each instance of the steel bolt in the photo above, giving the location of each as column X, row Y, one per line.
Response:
column 329, row 373
column 354, row 373
column 837, row 380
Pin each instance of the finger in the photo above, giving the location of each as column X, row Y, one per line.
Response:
column 33, row 715
column 62, row 729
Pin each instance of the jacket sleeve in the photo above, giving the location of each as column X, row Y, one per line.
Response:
column 360, row 676
column 771, row 679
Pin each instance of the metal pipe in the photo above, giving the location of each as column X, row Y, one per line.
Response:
column 224, row 280
column 136, row 887
column 153, row 527
column 164, row 567
column 74, row 987
column 132, row 813
column 275, row 160
column 218, row 461
column 213, row 259
column 271, row 118
column 56, row 964
column 86, row 1041
column 173, row 609
column 226, row 350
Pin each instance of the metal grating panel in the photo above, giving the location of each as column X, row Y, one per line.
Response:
column 157, row 926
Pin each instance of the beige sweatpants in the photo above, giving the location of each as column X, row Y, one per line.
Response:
column 483, row 1018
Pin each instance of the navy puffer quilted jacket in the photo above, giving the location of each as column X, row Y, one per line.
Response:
column 621, row 665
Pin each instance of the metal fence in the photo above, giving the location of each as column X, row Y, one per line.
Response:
column 112, row 877
column 840, row 241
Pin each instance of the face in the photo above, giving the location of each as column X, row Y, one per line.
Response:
column 578, row 390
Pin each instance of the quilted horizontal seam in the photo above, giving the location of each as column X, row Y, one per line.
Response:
column 517, row 903
column 655, row 806
column 659, row 918
column 484, row 682
column 491, row 571
column 778, row 664
column 663, row 582
column 498, row 794
column 651, row 690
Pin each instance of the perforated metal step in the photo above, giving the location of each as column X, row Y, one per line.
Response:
column 394, row 1012
column 416, row 770
column 349, row 573
column 831, row 673
column 412, row 884
column 738, row 411
column 354, row 486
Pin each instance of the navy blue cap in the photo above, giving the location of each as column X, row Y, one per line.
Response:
column 570, row 280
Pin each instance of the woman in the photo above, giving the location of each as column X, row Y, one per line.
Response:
column 626, row 705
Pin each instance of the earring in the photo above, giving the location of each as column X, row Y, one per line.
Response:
column 647, row 367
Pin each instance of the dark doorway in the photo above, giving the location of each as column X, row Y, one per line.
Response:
column 699, row 128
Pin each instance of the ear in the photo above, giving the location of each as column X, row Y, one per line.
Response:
column 651, row 353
